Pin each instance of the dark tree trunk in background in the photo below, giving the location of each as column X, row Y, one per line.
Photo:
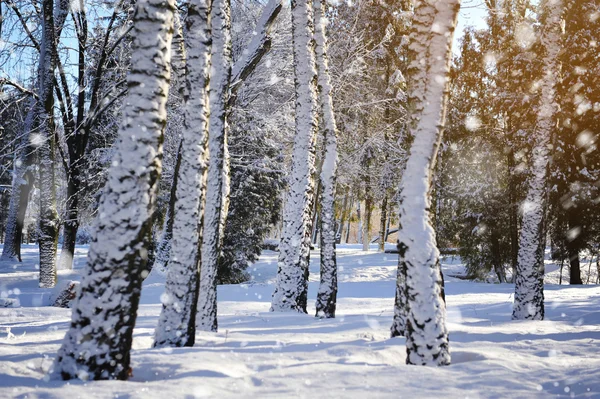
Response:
column 383, row 223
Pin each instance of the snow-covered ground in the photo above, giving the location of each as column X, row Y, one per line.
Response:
column 267, row 355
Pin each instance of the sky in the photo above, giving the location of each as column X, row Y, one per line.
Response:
column 472, row 13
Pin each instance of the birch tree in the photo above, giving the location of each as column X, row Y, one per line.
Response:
column 97, row 345
column 214, row 216
column 291, row 288
column 177, row 322
column 529, row 281
column 430, row 53
column 327, row 295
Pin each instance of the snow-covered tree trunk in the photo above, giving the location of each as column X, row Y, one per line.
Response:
column 430, row 51
column 177, row 322
column 327, row 295
column 163, row 249
column 97, row 346
column 398, row 328
column 291, row 288
column 48, row 237
column 22, row 183
column 214, row 217
column 529, row 281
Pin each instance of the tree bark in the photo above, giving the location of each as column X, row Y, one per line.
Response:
column 291, row 289
column 48, row 231
column 177, row 321
column 327, row 294
column 529, row 282
column 163, row 250
column 215, row 210
column 430, row 53
column 383, row 224
column 106, row 310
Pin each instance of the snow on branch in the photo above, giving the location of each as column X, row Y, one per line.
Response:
column 256, row 49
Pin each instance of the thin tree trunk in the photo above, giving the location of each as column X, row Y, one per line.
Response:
column 22, row 184
column 163, row 250
column 529, row 282
column 214, row 214
column 177, row 321
column 383, row 224
column 75, row 147
column 359, row 232
column 327, row 294
column 430, row 54
column 106, row 310
column 496, row 255
column 291, row 289
column 513, row 215
column 348, row 223
column 71, row 223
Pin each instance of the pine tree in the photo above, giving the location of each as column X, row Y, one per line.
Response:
column 98, row 343
column 430, row 52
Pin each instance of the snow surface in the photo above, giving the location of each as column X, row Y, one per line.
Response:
column 274, row 355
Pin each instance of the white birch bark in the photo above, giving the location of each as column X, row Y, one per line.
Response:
column 214, row 216
column 177, row 321
column 529, row 281
column 431, row 52
column 291, row 287
column 97, row 346
column 327, row 294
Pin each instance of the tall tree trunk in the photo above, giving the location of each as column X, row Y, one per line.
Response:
column 327, row 295
column 496, row 254
column 383, row 223
column 177, row 321
column 573, row 247
column 163, row 250
column 430, row 52
column 342, row 216
column 291, row 289
column 349, row 220
column 513, row 215
column 106, row 310
column 71, row 223
column 529, row 282
column 22, row 184
column 75, row 146
column 48, row 236
column 214, row 214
